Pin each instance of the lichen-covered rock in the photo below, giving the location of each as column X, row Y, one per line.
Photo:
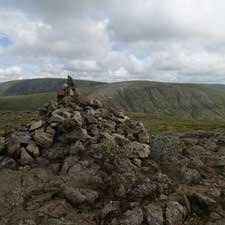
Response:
column 25, row 157
column 36, row 125
column 137, row 150
column 33, row 149
column 175, row 213
column 154, row 214
column 132, row 217
column 2, row 144
column 43, row 139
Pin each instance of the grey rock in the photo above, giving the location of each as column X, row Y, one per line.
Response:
column 144, row 190
column 85, row 173
column 8, row 163
column 77, row 196
column 97, row 103
column 77, row 116
column 204, row 199
column 220, row 162
column 62, row 112
column 50, row 130
column 25, row 157
column 43, row 139
column 56, row 152
column 120, row 139
column 190, row 176
column 154, row 214
column 121, row 191
column 76, row 148
column 175, row 213
column 19, row 138
column 137, row 162
column 137, row 150
column 111, row 206
column 78, row 134
column 90, row 119
column 69, row 162
column 33, row 149
column 166, row 148
column 55, row 119
column 132, row 217
column 143, row 137
column 35, row 125
column 2, row 144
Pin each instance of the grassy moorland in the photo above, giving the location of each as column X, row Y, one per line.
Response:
column 158, row 124
column 25, row 102
column 154, row 124
column 13, row 119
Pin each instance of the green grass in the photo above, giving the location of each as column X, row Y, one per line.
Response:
column 12, row 119
column 154, row 124
column 32, row 102
column 25, row 102
column 158, row 124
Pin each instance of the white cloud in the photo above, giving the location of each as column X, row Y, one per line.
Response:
column 10, row 73
column 160, row 39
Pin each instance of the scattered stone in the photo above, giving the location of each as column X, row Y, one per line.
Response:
column 137, row 150
column 144, row 137
column 36, row 125
column 78, row 118
column 112, row 206
column 175, row 213
column 190, row 176
column 33, row 149
column 96, row 103
column 25, row 157
column 69, row 124
column 84, row 101
column 154, row 214
column 132, row 217
column 77, row 134
column 56, row 119
column 77, row 148
column 8, row 163
column 2, row 144
column 43, row 139
column 203, row 199
column 79, row 196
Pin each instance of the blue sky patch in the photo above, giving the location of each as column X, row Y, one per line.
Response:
column 121, row 47
column 141, row 55
column 5, row 41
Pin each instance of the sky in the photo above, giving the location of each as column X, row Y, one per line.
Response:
column 105, row 40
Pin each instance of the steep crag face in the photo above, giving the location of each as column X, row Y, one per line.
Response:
column 164, row 99
column 81, row 163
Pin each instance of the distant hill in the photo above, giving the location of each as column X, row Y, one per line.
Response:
column 32, row 86
column 187, row 100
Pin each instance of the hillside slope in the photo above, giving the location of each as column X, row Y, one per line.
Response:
column 32, row 86
column 186, row 100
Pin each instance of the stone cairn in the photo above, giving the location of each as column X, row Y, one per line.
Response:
column 81, row 123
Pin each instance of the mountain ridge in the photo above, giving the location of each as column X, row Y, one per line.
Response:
column 170, row 99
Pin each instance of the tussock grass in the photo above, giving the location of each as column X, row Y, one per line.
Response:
column 160, row 124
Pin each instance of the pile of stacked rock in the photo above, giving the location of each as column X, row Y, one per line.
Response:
column 75, row 123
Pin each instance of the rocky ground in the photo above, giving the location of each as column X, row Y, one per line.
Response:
column 83, row 164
